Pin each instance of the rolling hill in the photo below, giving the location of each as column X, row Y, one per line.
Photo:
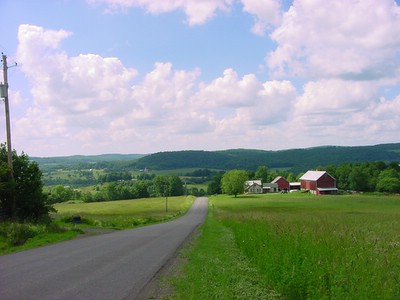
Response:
column 295, row 160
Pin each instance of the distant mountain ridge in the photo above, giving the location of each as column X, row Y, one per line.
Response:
column 295, row 160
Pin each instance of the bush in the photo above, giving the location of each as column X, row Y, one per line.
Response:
column 16, row 234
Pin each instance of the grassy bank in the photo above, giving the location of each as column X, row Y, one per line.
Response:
column 217, row 269
column 301, row 246
column 109, row 215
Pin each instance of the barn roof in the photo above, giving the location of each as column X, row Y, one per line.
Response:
column 277, row 179
column 312, row 175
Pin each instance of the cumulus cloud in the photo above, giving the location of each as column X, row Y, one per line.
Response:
column 349, row 39
column 230, row 91
column 197, row 12
column 93, row 104
column 266, row 13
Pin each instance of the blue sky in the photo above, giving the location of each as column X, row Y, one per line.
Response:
column 130, row 76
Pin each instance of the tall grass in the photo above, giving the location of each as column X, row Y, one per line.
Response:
column 17, row 236
column 309, row 247
column 217, row 269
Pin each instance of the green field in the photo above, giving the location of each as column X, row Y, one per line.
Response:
column 124, row 214
column 298, row 246
column 99, row 215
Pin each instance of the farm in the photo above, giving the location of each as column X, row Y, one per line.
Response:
column 296, row 246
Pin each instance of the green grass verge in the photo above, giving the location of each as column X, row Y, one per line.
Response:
column 16, row 237
column 114, row 215
column 301, row 246
column 217, row 269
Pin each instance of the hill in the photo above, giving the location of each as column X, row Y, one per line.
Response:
column 295, row 160
column 86, row 161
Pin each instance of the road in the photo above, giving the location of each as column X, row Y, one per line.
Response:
column 117, row 265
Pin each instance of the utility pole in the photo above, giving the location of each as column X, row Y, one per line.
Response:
column 4, row 95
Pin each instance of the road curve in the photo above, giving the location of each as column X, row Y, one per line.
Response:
column 110, row 266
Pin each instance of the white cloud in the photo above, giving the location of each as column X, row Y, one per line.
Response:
column 274, row 104
column 357, row 40
column 197, row 12
column 266, row 13
column 93, row 104
column 335, row 96
column 230, row 91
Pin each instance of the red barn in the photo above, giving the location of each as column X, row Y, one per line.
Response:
column 283, row 184
column 318, row 182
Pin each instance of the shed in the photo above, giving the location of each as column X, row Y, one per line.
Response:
column 270, row 187
column 318, row 182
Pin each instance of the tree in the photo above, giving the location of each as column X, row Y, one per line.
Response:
column 388, row 181
column 176, row 186
column 61, row 194
column 232, row 182
column 31, row 204
column 161, row 186
column 358, row 178
column 262, row 173
column 168, row 186
column 214, row 187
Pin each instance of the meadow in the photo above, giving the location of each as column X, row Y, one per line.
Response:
column 295, row 246
column 123, row 214
column 100, row 216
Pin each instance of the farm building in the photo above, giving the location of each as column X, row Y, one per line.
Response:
column 270, row 187
column 257, row 187
column 283, row 184
column 253, row 187
column 318, row 182
column 295, row 186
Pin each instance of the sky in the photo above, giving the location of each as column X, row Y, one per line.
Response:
column 144, row 76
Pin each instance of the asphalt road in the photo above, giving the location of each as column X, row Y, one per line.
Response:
column 117, row 265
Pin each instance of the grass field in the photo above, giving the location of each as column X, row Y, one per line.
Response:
column 300, row 246
column 114, row 215
column 124, row 214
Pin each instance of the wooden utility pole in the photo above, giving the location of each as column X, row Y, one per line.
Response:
column 4, row 94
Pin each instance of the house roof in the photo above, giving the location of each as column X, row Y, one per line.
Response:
column 312, row 175
column 269, row 185
column 253, row 182
column 277, row 179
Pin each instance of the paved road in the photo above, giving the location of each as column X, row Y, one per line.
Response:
column 110, row 266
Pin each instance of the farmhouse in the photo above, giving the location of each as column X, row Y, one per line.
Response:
column 253, row 187
column 283, row 184
column 318, row 182
column 257, row 187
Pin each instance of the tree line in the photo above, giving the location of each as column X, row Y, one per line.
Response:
column 360, row 177
column 159, row 186
column 23, row 196
column 367, row 177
